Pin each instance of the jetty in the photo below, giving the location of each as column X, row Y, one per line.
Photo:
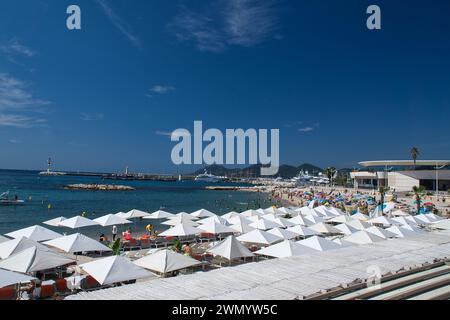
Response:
column 98, row 187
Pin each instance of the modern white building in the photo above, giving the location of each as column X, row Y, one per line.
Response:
column 403, row 175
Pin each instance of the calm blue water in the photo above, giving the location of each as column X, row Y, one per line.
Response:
column 39, row 192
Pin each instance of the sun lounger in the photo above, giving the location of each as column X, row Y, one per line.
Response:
column 48, row 289
column 8, row 293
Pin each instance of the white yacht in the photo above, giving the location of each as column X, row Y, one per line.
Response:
column 208, row 177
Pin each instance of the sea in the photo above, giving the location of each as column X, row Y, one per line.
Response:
column 45, row 199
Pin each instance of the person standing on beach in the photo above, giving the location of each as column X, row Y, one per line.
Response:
column 114, row 232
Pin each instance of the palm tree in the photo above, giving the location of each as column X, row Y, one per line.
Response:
column 419, row 192
column 330, row 172
column 382, row 191
column 414, row 154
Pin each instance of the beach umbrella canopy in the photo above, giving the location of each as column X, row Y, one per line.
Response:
column 310, row 220
column 399, row 213
column 54, row 222
column 160, row 214
column 441, row 224
column 360, row 216
column 287, row 211
column 181, row 229
column 165, row 261
column 36, row 233
column 110, row 220
column 432, row 217
column 231, row 214
column 78, row 222
column 179, row 219
column 242, row 228
column 324, row 228
column 3, row 239
column 341, row 219
column 403, row 221
column 114, row 269
column 212, row 219
column 283, row 233
column 76, row 243
column 401, row 232
column 274, row 211
column 214, row 227
column 230, row 249
column 185, row 215
column 343, row 243
column 298, row 220
column 34, row 259
column 305, row 211
column 336, row 211
column 383, row 221
column 285, row 249
column 253, row 218
column 358, row 224
column 302, row 231
column 120, row 214
column 250, row 213
column 285, row 223
column 203, row 213
column 382, row 233
column 259, row 237
column 363, row 237
column 346, row 228
column 135, row 213
column 319, row 244
column 412, row 227
column 264, row 224
column 8, row 278
column 420, row 218
column 238, row 220
column 14, row 246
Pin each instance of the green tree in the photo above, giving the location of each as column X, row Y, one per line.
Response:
column 115, row 246
column 414, row 155
column 419, row 192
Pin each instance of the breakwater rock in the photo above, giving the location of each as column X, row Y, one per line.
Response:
column 99, row 187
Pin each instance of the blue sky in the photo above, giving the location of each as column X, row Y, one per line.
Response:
column 103, row 97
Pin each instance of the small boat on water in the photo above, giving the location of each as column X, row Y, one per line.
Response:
column 5, row 200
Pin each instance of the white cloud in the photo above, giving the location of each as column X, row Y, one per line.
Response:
column 120, row 24
column 161, row 89
column 14, row 141
column 14, row 47
column 306, row 129
column 21, row 121
column 234, row 22
column 91, row 116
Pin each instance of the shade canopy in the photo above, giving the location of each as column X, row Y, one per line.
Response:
column 382, row 220
column 319, row 243
column 442, row 224
column 263, row 224
column 78, row 222
column 399, row 213
column 36, row 233
column 203, row 213
column 213, row 219
column 382, row 233
column 230, row 249
column 135, row 213
column 298, row 220
column 3, row 239
column 8, row 278
column 238, row 220
column 358, row 224
column 341, row 219
column 14, row 246
column 360, row 216
column 231, row 214
column 180, row 219
column 401, row 232
column 346, row 228
column 160, row 214
column 302, row 231
column 215, row 228
column 259, row 237
column 76, row 243
column 363, row 237
column 181, row 229
column 286, row 249
column 433, row 217
column 110, row 220
column 283, row 233
column 420, row 219
column 165, row 261
column 404, row 221
column 250, row 213
column 324, row 228
column 242, row 228
column 54, row 222
column 114, row 269
column 34, row 259
column 311, row 220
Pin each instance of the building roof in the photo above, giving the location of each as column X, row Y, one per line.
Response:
column 382, row 163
